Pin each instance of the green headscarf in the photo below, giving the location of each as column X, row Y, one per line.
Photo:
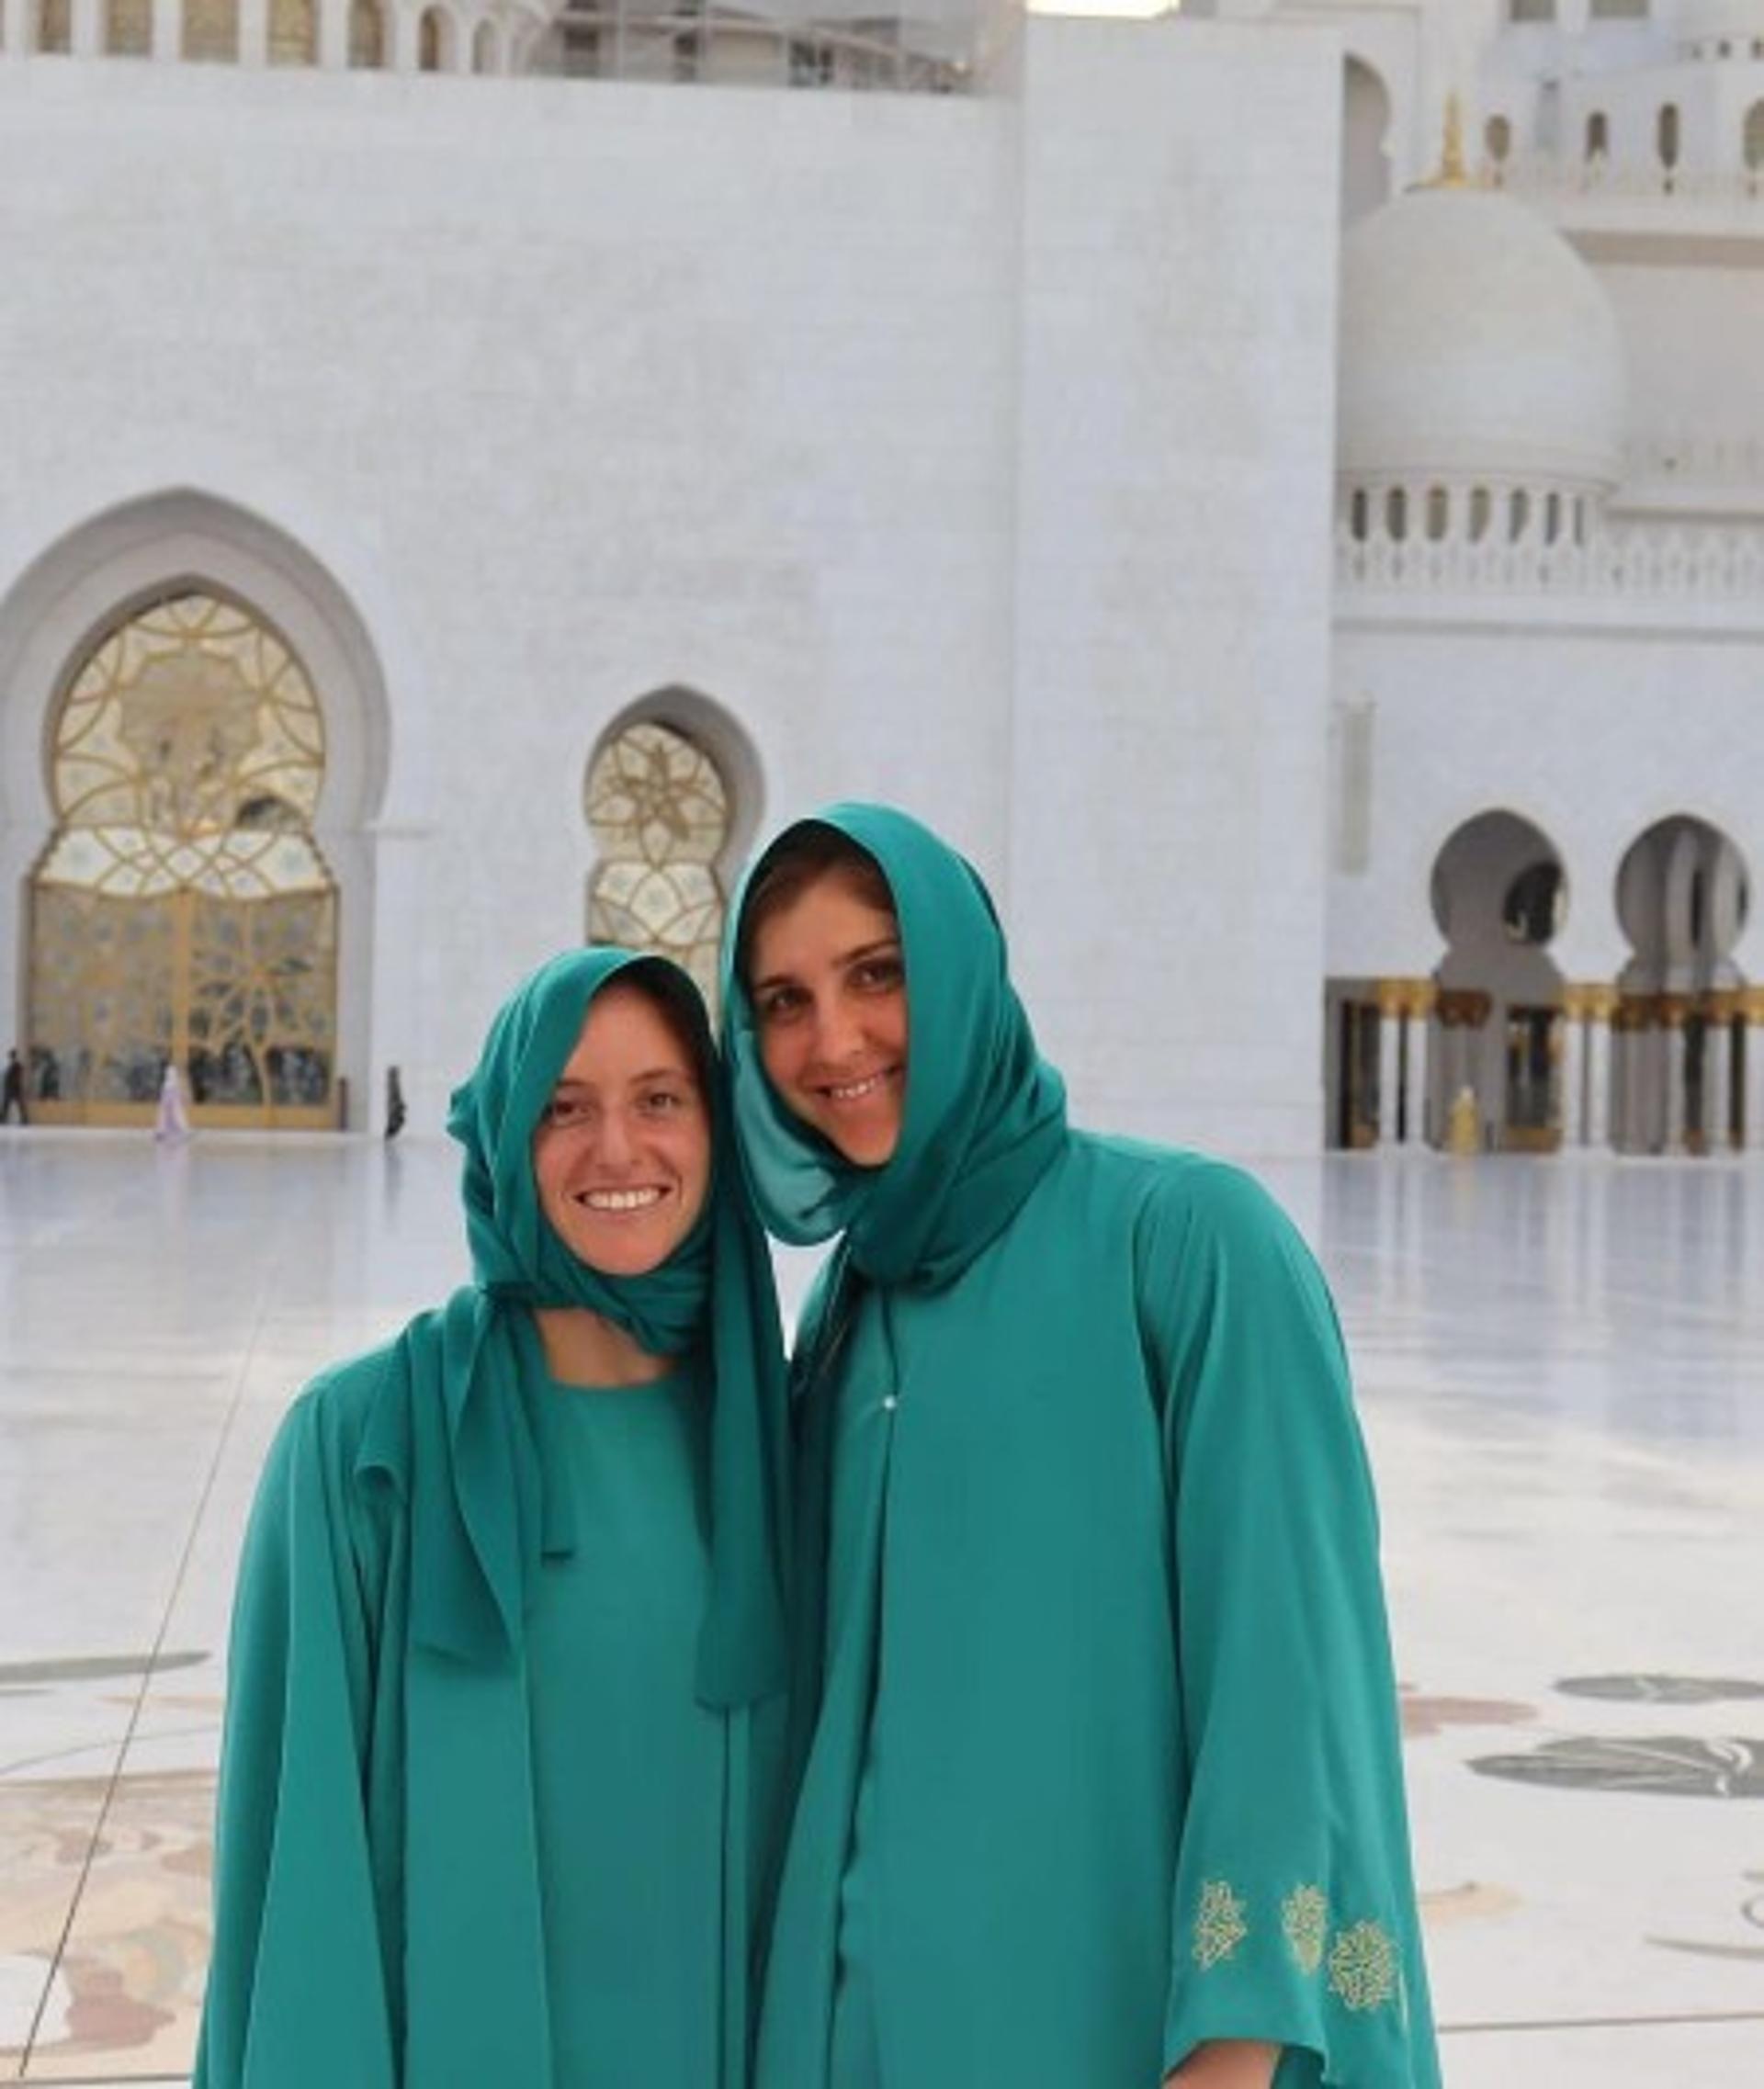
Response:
column 984, row 1112
column 482, row 1414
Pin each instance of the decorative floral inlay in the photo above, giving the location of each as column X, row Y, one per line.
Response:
column 1219, row 1924
column 1305, row 1917
column 1363, row 1966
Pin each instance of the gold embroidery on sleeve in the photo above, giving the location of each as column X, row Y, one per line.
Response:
column 1219, row 1924
column 1363, row 1966
column 1305, row 1918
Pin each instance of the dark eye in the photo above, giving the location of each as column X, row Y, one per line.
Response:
column 565, row 1110
column 778, row 1004
column 663, row 1101
column 879, row 975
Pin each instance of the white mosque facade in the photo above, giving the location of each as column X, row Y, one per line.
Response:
column 471, row 470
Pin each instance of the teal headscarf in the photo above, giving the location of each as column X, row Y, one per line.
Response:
column 483, row 1416
column 984, row 1112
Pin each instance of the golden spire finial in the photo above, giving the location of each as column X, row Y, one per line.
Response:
column 1453, row 172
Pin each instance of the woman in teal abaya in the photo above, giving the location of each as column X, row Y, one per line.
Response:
column 1094, row 1728
column 503, row 1714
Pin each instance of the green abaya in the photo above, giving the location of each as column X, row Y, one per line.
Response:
column 1095, row 1725
column 499, row 1780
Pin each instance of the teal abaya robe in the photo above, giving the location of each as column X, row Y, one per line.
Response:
column 1095, row 1722
column 500, row 1777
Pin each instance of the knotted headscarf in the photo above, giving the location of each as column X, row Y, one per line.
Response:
column 486, row 1498
column 984, row 1113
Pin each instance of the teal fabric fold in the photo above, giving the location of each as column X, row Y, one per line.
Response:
column 1093, row 1728
column 984, row 1113
column 481, row 1517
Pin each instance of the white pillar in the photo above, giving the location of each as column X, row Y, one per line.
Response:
column 1717, row 1078
column 1673, row 1137
column 1390, row 1032
column 254, row 32
column 1599, row 1044
column 1574, row 1071
column 168, row 30
column 333, row 35
column 401, row 27
column 17, row 26
column 85, row 28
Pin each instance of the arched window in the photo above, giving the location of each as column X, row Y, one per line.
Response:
column 55, row 27
column 1397, row 515
column 1439, row 513
column 485, row 56
column 1665, row 135
column 1597, row 135
column 1752, row 139
column 1481, row 509
column 1497, row 139
column 1358, row 515
column 1366, row 130
column 1519, row 513
column 366, row 35
column 660, row 814
column 1620, row 10
column 211, row 31
column 293, row 32
column 1552, row 517
column 435, row 42
column 181, row 912
column 128, row 29
column 1522, row 11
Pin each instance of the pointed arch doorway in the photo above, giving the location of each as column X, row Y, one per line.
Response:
column 182, row 911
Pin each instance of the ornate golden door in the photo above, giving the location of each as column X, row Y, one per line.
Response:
column 181, row 912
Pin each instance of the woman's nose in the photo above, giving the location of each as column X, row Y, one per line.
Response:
column 615, row 1144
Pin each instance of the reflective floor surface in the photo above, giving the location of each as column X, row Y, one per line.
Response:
column 1560, row 1367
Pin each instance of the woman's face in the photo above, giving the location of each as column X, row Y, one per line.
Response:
column 621, row 1157
column 828, row 985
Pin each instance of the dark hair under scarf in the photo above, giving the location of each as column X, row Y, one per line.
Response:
column 481, row 1424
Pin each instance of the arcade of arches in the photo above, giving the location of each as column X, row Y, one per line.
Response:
column 1498, row 1051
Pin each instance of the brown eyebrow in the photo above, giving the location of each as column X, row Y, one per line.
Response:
column 637, row 1080
column 855, row 956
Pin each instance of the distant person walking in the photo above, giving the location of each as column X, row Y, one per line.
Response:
column 173, row 1121
column 394, row 1103
column 11, row 1090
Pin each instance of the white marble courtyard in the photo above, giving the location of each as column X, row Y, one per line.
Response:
column 1562, row 1370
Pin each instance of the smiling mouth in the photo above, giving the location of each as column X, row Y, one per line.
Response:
column 620, row 1200
column 857, row 1090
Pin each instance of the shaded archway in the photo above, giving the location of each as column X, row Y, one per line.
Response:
column 73, row 599
column 1683, row 896
column 1365, row 128
column 1500, row 896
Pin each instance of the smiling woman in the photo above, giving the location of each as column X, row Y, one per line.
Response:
column 508, row 1640
column 1095, row 1738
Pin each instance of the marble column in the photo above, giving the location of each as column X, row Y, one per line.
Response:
column 1751, row 1043
column 1672, row 1016
column 1718, row 1076
column 1602, row 1006
column 1391, row 1005
column 15, row 24
column 1572, row 1101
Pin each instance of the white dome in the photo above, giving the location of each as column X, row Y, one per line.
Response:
column 1474, row 340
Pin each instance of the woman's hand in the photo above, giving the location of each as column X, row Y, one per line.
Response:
column 1226, row 2063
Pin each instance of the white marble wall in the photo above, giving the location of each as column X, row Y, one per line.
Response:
column 1173, row 577
column 1593, row 735
column 969, row 452
column 575, row 390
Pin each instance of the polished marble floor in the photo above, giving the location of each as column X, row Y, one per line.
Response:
column 1562, row 1376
